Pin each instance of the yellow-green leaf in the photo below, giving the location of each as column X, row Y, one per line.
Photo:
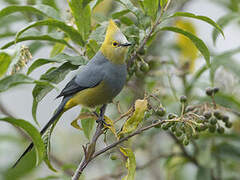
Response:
column 111, row 127
column 5, row 60
column 133, row 121
column 82, row 14
column 163, row 3
column 130, row 164
column 75, row 124
column 57, row 48
column 151, row 7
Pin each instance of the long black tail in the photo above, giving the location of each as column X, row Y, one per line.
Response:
column 50, row 122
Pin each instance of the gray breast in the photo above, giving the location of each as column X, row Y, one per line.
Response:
column 115, row 77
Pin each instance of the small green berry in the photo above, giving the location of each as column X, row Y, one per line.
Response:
column 113, row 157
column 215, row 90
column 183, row 99
column 203, row 127
column 207, row 114
column 157, row 126
column 161, row 111
column 220, row 130
column 147, row 114
column 228, row 124
column 165, row 126
column 142, row 51
column 183, row 128
column 144, row 67
column 225, row 118
column 171, row 116
column 190, row 108
column 197, row 128
column 212, row 128
column 217, row 114
column 185, row 141
column 209, row 91
column 178, row 133
column 201, row 119
column 173, row 129
column 213, row 121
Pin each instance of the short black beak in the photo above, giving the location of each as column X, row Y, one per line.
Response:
column 126, row 44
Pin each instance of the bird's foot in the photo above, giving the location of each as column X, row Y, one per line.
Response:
column 102, row 120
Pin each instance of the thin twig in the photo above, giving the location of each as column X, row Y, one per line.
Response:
column 148, row 36
column 88, row 152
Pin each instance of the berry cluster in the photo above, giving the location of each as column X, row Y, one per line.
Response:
column 193, row 119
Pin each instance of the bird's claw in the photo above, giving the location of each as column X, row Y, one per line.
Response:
column 102, row 120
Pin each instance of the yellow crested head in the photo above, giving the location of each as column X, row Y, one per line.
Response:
column 115, row 43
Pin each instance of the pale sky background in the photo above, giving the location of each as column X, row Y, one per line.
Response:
column 19, row 100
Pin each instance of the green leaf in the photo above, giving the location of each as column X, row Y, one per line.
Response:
column 5, row 60
column 40, row 9
column 128, row 5
column 33, row 133
column 91, row 48
column 203, row 18
column 7, row 34
column 40, row 38
column 151, row 8
column 82, row 15
column 225, row 60
column 51, row 3
column 120, row 14
column 224, row 21
column 204, row 173
column 135, row 118
column 60, row 58
column 70, row 31
column 198, row 42
column 87, row 123
column 227, row 100
column 93, row 5
column 130, row 164
column 25, row 166
column 16, row 79
column 98, row 34
column 53, row 75
column 57, row 49
column 163, row 3
column 46, row 139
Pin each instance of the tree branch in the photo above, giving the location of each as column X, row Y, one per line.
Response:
column 148, row 36
column 88, row 152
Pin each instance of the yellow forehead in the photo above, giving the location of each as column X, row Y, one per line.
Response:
column 111, row 30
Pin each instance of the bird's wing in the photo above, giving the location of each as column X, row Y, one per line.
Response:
column 89, row 77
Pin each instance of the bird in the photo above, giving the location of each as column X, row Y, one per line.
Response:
column 98, row 82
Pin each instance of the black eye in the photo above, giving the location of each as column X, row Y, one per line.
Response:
column 114, row 43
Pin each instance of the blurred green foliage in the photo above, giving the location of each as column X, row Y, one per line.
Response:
column 197, row 142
